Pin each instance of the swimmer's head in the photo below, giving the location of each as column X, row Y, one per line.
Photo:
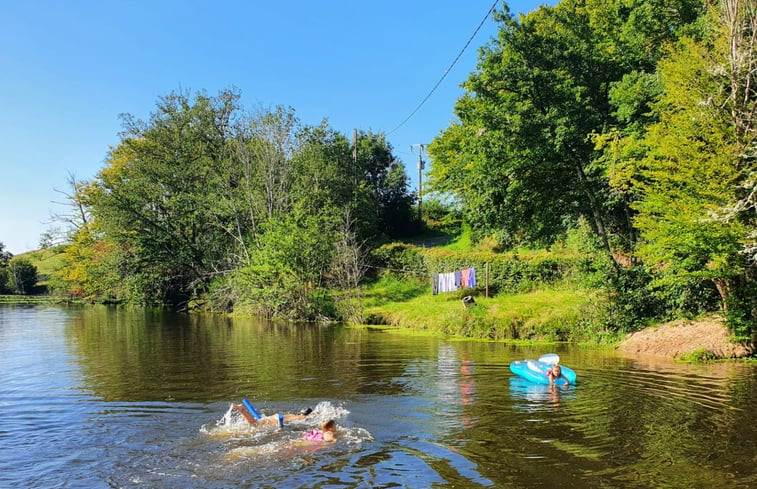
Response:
column 328, row 425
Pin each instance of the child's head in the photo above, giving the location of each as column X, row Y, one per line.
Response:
column 556, row 370
column 328, row 425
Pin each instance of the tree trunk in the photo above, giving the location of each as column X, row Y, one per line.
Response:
column 596, row 214
column 724, row 289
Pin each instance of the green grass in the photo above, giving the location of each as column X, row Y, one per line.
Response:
column 557, row 313
column 48, row 261
column 460, row 243
column 34, row 299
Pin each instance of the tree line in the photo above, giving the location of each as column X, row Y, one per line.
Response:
column 636, row 117
column 243, row 210
column 629, row 123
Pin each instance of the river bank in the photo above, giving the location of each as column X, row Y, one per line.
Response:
column 706, row 338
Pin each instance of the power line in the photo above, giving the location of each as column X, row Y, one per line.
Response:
column 488, row 12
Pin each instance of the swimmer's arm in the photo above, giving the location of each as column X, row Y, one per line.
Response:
column 243, row 411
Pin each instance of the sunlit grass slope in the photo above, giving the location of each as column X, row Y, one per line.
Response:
column 561, row 312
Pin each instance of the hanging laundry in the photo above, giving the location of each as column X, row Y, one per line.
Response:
column 448, row 281
column 465, row 272
column 452, row 281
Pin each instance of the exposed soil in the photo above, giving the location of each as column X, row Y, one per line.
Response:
column 681, row 337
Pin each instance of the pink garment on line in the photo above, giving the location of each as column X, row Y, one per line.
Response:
column 465, row 277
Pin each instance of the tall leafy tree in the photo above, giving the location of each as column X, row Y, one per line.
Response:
column 159, row 193
column 202, row 197
column 699, row 164
column 5, row 257
column 23, row 275
column 520, row 157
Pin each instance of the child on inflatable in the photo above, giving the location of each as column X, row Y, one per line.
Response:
column 327, row 432
column 555, row 373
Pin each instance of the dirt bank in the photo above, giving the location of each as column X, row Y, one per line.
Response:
column 681, row 337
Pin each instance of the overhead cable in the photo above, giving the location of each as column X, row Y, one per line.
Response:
column 488, row 12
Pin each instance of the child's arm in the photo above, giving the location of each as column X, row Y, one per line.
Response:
column 243, row 412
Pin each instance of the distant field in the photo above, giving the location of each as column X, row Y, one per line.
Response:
column 48, row 262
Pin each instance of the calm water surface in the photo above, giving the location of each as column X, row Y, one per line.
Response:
column 104, row 397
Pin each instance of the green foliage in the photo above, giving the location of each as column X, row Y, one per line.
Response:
column 520, row 159
column 742, row 309
column 5, row 257
column 400, row 258
column 441, row 216
column 158, row 195
column 698, row 356
column 203, row 199
column 22, row 276
column 286, row 277
column 508, row 272
column 691, row 177
column 561, row 313
column 4, row 280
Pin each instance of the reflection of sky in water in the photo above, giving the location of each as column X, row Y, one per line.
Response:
column 529, row 396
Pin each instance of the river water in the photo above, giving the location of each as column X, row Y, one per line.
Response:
column 132, row 398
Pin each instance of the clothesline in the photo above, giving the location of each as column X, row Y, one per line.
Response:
column 446, row 282
column 452, row 281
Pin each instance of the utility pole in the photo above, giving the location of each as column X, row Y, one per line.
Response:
column 354, row 154
column 420, row 178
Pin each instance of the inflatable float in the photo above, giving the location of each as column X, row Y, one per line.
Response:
column 536, row 370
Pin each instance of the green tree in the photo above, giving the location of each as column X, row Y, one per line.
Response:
column 23, row 275
column 160, row 191
column 5, row 257
column 204, row 198
column 288, row 270
column 699, row 164
column 520, row 158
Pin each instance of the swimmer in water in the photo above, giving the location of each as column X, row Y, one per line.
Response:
column 327, row 432
column 272, row 419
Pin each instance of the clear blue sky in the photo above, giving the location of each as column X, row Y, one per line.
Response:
column 68, row 69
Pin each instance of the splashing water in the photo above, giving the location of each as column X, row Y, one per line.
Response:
column 268, row 439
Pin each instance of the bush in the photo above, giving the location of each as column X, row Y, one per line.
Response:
column 742, row 310
column 399, row 258
column 23, row 275
column 3, row 280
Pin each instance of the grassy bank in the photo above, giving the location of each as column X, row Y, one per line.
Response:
column 34, row 299
column 562, row 312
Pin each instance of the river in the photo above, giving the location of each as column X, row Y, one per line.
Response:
column 110, row 397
